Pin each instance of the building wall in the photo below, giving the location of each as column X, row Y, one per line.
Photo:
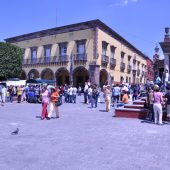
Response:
column 54, row 40
column 93, row 46
column 116, row 73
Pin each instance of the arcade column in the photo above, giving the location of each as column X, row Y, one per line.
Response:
column 94, row 73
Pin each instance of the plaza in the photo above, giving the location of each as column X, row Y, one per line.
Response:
column 81, row 139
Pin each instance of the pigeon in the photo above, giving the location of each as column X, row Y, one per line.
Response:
column 15, row 132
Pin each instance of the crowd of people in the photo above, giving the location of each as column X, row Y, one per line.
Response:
column 113, row 95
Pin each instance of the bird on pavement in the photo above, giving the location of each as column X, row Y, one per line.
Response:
column 15, row 132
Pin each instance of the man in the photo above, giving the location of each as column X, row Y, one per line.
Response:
column 74, row 93
column 85, row 92
column 116, row 94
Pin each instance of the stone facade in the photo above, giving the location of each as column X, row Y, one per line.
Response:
column 80, row 52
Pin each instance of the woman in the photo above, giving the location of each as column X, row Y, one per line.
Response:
column 54, row 99
column 157, row 107
column 107, row 94
column 45, row 101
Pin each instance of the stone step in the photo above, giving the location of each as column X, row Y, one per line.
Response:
column 134, row 106
column 131, row 113
column 139, row 102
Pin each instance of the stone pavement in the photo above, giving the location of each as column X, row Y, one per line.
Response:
column 82, row 139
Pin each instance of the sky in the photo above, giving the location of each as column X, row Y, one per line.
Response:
column 141, row 22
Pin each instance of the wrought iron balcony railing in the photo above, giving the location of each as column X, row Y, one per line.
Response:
column 45, row 60
column 80, row 57
column 122, row 66
column 112, row 62
column 105, row 59
column 129, row 68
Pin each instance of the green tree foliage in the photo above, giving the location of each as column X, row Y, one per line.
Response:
column 10, row 60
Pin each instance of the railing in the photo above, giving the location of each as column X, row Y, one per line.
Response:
column 143, row 73
column 45, row 60
column 122, row 66
column 105, row 59
column 129, row 68
column 112, row 62
column 80, row 57
column 63, row 58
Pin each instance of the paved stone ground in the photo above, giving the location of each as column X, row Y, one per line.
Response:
column 82, row 139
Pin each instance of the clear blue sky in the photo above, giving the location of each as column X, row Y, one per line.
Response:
column 141, row 22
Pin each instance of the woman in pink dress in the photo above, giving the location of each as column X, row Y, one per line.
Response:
column 45, row 101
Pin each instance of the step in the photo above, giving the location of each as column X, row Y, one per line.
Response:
column 139, row 102
column 134, row 106
column 131, row 113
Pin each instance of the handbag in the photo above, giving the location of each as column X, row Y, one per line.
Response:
column 59, row 102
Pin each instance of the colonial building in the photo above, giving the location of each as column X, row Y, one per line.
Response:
column 80, row 52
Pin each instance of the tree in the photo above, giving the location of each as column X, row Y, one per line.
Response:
column 10, row 61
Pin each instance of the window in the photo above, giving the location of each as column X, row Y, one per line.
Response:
column 129, row 79
column 126, row 79
column 63, row 49
column 121, row 79
column 122, row 57
column 112, row 50
column 104, row 48
column 33, row 54
column 47, row 53
column 47, row 50
column 134, row 64
column 81, row 48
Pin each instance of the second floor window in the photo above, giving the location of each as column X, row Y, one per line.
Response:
column 112, row 50
column 104, row 48
column 80, row 47
column 33, row 53
column 63, row 49
column 47, row 51
column 122, row 57
column 134, row 64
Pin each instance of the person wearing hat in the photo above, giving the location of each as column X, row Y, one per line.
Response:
column 157, row 105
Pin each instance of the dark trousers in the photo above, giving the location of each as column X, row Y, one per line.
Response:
column 74, row 98
column 94, row 101
column 19, row 98
column 44, row 110
column 85, row 97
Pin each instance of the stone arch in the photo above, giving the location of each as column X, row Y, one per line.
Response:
column 33, row 73
column 80, row 76
column 103, row 77
column 23, row 75
column 62, row 76
column 47, row 74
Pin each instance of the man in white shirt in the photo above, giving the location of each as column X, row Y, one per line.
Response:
column 74, row 91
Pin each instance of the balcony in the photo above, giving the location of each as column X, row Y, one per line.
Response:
column 112, row 62
column 138, row 72
column 80, row 58
column 63, row 58
column 143, row 73
column 104, row 60
column 45, row 60
column 129, row 68
column 134, row 71
column 122, row 66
